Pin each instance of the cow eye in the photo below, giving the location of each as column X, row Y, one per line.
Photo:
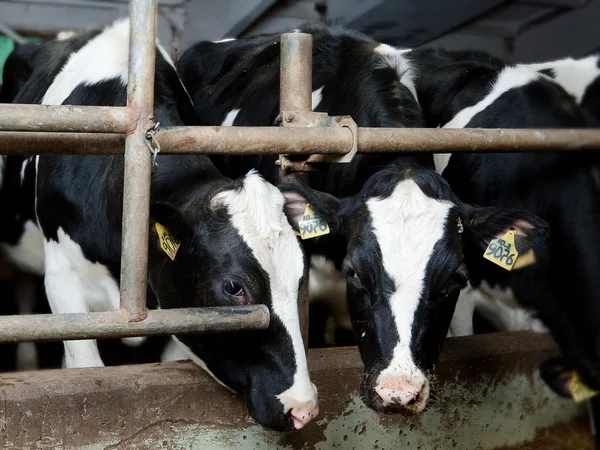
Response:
column 349, row 270
column 234, row 289
column 459, row 278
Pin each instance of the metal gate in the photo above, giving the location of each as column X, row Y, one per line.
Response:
column 40, row 129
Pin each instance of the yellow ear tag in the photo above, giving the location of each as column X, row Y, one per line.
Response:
column 579, row 390
column 312, row 226
column 168, row 243
column 524, row 260
column 502, row 251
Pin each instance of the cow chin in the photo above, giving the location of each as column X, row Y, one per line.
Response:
column 267, row 410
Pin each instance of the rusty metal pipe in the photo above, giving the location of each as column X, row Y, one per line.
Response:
column 115, row 324
column 90, row 119
column 295, row 94
column 35, row 143
column 138, row 163
column 295, row 82
column 273, row 140
column 253, row 140
column 270, row 140
column 476, row 140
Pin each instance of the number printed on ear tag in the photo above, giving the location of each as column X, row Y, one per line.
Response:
column 168, row 243
column 312, row 226
column 502, row 251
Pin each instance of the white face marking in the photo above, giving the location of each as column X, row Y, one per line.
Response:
column 396, row 59
column 103, row 58
column 224, row 40
column 230, row 118
column 574, row 75
column 317, row 96
column 189, row 354
column 407, row 226
column 257, row 213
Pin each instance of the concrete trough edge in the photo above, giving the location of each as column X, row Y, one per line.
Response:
column 488, row 394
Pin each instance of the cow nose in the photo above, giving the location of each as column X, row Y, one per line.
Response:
column 408, row 394
column 303, row 414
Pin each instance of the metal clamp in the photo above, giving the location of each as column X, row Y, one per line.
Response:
column 322, row 120
column 152, row 143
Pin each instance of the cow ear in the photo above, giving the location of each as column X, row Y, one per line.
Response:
column 172, row 226
column 485, row 224
column 557, row 374
column 297, row 196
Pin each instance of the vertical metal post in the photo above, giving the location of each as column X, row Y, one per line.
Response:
column 138, row 163
column 295, row 87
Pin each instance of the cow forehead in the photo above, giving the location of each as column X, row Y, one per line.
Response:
column 256, row 212
column 407, row 225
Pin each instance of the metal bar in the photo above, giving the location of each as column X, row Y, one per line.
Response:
column 90, row 119
column 9, row 32
column 35, row 143
column 295, row 94
column 295, row 82
column 138, row 164
column 270, row 140
column 476, row 139
column 254, row 140
column 273, row 140
column 115, row 324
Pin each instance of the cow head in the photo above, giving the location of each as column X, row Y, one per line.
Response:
column 405, row 244
column 237, row 248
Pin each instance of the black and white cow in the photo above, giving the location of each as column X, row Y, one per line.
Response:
column 579, row 77
column 62, row 218
column 399, row 234
column 471, row 89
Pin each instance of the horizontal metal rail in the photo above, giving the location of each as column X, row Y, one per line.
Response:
column 44, row 118
column 277, row 140
column 115, row 324
column 48, row 143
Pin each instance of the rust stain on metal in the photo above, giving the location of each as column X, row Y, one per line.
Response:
column 45, row 327
column 99, row 119
column 138, row 164
column 35, row 143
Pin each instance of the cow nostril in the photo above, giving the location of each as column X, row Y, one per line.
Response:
column 413, row 401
